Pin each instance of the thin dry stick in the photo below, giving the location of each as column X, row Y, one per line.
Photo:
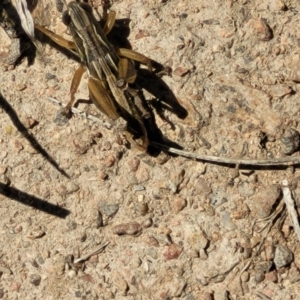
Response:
column 287, row 161
column 269, row 225
column 94, row 252
column 290, row 205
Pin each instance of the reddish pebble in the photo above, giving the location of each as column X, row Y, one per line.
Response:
column 110, row 160
column 173, row 251
column 179, row 204
column 134, row 164
column 132, row 228
column 271, row 276
column 180, row 71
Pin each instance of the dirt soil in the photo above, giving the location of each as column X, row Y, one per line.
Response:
column 168, row 227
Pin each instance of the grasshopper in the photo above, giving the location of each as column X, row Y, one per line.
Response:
column 110, row 70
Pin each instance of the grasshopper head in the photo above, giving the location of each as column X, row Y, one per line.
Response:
column 77, row 13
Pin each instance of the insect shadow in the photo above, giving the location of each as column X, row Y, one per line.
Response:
column 18, row 195
column 27, row 135
column 33, row 201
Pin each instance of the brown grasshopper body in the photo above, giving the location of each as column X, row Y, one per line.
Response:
column 109, row 69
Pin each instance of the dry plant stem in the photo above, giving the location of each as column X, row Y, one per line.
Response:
column 290, row 205
column 82, row 113
column 286, row 161
column 94, row 252
column 269, row 225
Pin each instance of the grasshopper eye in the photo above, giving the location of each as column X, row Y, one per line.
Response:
column 66, row 18
column 86, row 7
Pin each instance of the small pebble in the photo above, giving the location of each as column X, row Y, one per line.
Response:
column 135, row 262
column 262, row 29
column 297, row 256
column 180, row 71
column 71, row 274
column 16, row 286
column 277, row 5
column 226, row 220
column 245, row 276
column 294, row 274
column 134, row 164
column 152, row 252
column 221, row 294
column 280, row 90
column 8, row 129
column 217, row 198
column 283, row 256
column 173, row 251
column 290, row 140
column 272, row 276
column 147, row 223
column 207, row 296
column 119, row 282
column 259, row 277
column 141, row 34
column 72, row 225
column 263, row 266
column 109, row 161
column 36, row 234
column 138, row 188
column 108, row 209
column 5, row 270
column 195, row 237
column 132, row 228
column 151, row 241
column 246, row 189
column 202, row 254
column 20, row 87
column 50, row 76
column 35, row 279
column 202, row 187
column 295, row 72
column 141, row 209
column 192, row 253
column 179, row 204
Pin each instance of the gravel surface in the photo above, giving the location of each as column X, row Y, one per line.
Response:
column 85, row 216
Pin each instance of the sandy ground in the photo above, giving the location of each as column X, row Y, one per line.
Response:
column 170, row 227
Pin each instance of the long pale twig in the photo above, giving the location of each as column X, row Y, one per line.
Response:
column 290, row 205
column 94, row 252
column 282, row 161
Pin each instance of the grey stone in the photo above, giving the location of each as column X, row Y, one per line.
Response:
column 108, row 209
column 283, row 256
column 264, row 266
